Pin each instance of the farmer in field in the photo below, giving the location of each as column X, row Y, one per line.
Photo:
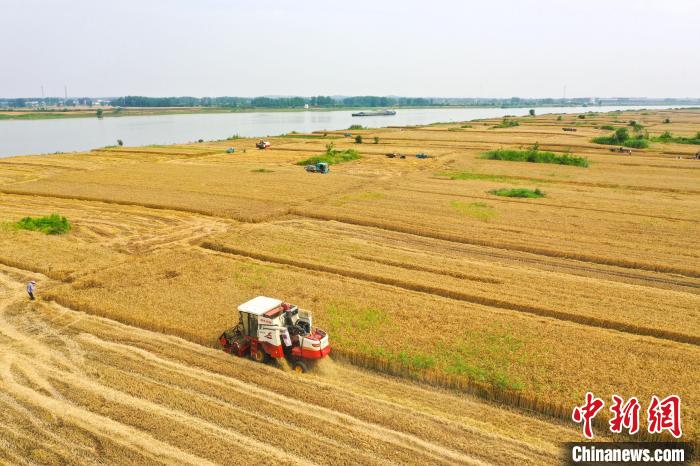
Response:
column 30, row 289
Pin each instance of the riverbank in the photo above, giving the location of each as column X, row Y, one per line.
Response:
column 54, row 114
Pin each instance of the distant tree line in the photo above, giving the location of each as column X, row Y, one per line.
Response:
column 270, row 102
column 330, row 102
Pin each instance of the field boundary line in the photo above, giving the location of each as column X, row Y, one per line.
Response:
column 460, row 296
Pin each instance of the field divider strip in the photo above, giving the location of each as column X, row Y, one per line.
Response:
column 461, row 296
column 689, row 273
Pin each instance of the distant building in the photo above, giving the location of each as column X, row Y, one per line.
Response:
column 306, row 106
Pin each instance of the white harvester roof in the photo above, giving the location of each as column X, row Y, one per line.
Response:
column 259, row 305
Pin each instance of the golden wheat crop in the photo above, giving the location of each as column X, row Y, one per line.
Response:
column 414, row 266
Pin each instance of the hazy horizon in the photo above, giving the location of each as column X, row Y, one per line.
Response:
column 530, row 49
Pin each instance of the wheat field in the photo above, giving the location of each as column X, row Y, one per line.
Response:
column 507, row 310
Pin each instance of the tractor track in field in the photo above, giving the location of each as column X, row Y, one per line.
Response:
column 461, row 296
column 81, row 389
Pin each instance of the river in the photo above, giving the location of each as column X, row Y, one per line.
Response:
column 79, row 134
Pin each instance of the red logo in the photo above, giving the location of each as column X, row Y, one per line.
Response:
column 661, row 415
column 587, row 412
column 625, row 415
column 665, row 415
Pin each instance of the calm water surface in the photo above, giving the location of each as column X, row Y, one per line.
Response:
column 79, row 134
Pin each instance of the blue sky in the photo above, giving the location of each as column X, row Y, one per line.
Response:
column 504, row 48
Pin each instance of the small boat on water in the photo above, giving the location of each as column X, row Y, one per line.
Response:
column 377, row 113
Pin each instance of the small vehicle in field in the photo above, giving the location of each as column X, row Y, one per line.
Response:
column 271, row 329
column 320, row 167
column 263, row 144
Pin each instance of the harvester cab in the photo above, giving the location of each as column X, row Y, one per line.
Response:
column 270, row 329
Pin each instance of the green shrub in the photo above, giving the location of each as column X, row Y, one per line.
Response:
column 356, row 127
column 466, row 126
column 332, row 156
column 559, row 118
column 608, row 127
column 667, row 120
column 622, row 137
column 535, row 156
column 518, row 192
column 532, row 112
column 637, row 127
column 53, row 224
column 582, row 117
column 667, row 137
column 637, row 143
column 506, row 123
column 358, row 139
column 376, row 140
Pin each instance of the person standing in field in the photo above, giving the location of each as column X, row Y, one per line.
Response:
column 30, row 289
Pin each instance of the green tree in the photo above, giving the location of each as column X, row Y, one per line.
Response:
column 358, row 139
column 621, row 135
column 120, row 142
column 99, row 113
column 532, row 112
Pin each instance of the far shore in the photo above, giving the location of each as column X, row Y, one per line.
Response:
column 108, row 112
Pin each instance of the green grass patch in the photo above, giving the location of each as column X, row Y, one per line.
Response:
column 52, row 224
column 635, row 143
column 518, row 192
column 478, row 210
column 535, row 156
column 475, row 176
column 332, row 156
column 667, row 137
column 487, row 357
column 621, row 137
column 607, row 127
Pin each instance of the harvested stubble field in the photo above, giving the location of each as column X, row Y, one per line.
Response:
column 414, row 267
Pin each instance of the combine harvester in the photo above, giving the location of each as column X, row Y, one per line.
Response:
column 271, row 329
column 261, row 144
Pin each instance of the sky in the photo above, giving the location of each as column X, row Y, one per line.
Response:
column 505, row 48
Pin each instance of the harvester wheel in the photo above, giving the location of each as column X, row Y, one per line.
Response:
column 300, row 367
column 259, row 356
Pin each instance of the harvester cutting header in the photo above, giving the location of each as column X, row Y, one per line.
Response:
column 271, row 329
